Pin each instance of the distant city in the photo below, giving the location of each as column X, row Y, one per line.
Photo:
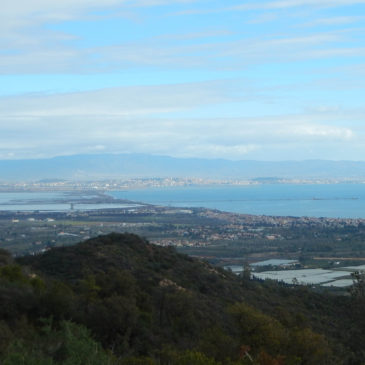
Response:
column 154, row 182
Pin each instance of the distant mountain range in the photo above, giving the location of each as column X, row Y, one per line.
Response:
column 88, row 167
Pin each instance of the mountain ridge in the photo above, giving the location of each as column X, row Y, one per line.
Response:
column 152, row 304
column 101, row 166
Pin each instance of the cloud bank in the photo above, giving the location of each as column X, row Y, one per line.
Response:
column 137, row 119
column 286, row 78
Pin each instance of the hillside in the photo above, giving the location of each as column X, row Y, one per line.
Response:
column 81, row 167
column 116, row 299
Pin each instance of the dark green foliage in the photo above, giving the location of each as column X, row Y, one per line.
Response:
column 70, row 344
column 357, row 290
column 145, row 304
column 5, row 257
column 187, row 358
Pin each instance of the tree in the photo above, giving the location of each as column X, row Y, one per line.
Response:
column 357, row 290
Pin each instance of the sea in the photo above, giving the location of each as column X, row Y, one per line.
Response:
column 311, row 200
column 315, row 200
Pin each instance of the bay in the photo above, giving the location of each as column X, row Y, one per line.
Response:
column 312, row 200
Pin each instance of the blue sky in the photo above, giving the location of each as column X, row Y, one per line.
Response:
column 258, row 80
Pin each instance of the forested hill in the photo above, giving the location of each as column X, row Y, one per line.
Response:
column 116, row 299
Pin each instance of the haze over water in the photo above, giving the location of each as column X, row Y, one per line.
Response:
column 327, row 200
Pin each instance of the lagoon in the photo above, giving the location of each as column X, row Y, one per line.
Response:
column 54, row 202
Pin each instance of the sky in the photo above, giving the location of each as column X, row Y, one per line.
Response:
column 241, row 80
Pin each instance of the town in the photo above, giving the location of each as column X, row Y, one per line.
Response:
column 220, row 237
column 141, row 183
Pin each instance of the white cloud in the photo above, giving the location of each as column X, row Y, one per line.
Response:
column 336, row 20
column 234, row 152
column 237, row 54
column 273, row 5
column 28, row 45
column 145, row 118
column 131, row 119
column 285, row 4
column 322, row 131
column 119, row 102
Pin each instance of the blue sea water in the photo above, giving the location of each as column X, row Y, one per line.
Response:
column 317, row 200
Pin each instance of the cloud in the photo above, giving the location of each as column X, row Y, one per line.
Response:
column 322, row 131
column 29, row 45
column 139, row 119
column 162, row 119
column 286, row 4
column 172, row 52
column 273, row 5
column 336, row 20
column 286, row 128
column 120, row 102
column 235, row 152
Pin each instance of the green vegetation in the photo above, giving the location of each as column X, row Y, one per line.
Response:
column 116, row 299
column 222, row 238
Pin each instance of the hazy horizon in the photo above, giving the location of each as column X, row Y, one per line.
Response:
column 9, row 159
column 107, row 166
